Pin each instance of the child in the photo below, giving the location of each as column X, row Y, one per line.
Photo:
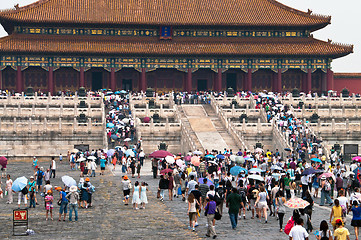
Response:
column 49, row 204
column 143, row 195
column 32, row 197
column 341, row 233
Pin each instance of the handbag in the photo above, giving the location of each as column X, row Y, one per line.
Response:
column 59, row 202
column 130, row 186
column 289, row 226
column 217, row 215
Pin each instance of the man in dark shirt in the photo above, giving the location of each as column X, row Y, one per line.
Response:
column 197, row 195
column 204, row 188
column 233, row 203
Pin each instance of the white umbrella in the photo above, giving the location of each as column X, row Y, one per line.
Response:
column 213, row 162
column 256, row 177
column 125, row 120
column 92, row 157
column 127, row 140
column 260, row 150
column 170, row 159
column 68, row 181
column 81, row 159
column 197, row 152
column 75, row 150
column 233, row 157
column 180, row 162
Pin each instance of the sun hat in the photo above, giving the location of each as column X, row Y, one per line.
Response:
column 87, row 179
column 81, row 180
column 49, row 192
column 323, row 178
column 58, row 188
column 125, row 177
column 73, row 189
column 32, row 177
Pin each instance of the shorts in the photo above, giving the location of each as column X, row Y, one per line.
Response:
column 262, row 205
column 102, row 168
column 126, row 192
column 356, row 223
column 63, row 208
column 49, row 206
column 192, row 216
column 251, row 203
column 39, row 182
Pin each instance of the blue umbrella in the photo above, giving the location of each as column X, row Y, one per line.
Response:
column 209, row 156
column 19, row 184
column 220, row 156
column 114, row 137
column 110, row 125
column 110, row 152
column 123, row 91
column 129, row 152
column 357, row 171
column 117, row 92
column 237, row 169
column 316, row 160
column 255, row 170
column 209, row 182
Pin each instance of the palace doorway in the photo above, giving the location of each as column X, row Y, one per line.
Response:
column 97, row 81
column 202, row 85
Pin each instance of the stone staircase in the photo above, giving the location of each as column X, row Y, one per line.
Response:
column 221, row 128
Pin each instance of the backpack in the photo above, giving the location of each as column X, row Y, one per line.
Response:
column 217, row 199
column 40, row 175
column 242, row 193
column 327, row 186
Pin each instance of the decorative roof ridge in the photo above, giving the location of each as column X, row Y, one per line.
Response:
column 296, row 11
column 16, row 9
column 343, row 45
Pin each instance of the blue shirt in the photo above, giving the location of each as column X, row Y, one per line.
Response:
column 102, row 162
column 63, row 197
column 211, row 206
column 356, row 213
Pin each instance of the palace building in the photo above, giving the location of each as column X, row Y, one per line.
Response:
column 56, row 45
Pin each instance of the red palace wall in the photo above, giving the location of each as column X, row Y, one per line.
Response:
column 352, row 81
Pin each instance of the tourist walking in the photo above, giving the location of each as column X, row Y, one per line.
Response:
column 73, row 197
column 262, row 203
column 39, row 179
column 102, row 165
column 192, row 211
column 336, row 213
column 341, row 233
column 136, row 196
column 170, row 185
column 324, row 233
column 8, row 189
column 163, row 186
column 325, row 191
column 298, row 232
column 356, row 217
column 64, row 203
column 210, row 211
column 49, row 204
column 93, row 167
column 53, row 167
column 281, row 209
column 126, row 189
column 143, row 195
column 22, row 195
column 233, row 203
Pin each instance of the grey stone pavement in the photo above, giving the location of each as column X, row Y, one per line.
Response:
column 111, row 219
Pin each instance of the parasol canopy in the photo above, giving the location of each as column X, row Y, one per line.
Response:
column 160, row 154
column 68, row 181
column 297, row 203
column 19, row 184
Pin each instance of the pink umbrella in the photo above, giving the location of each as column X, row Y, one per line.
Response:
column 327, row 175
column 187, row 158
column 160, row 154
column 165, row 171
column 357, row 158
column 146, row 120
column 195, row 161
column 3, row 161
column 179, row 162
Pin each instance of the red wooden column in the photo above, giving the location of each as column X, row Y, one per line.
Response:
column 1, row 79
column 309, row 80
column 189, row 80
column 112, row 79
column 279, row 80
column 51, row 80
column 82, row 77
column 143, row 84
column 19, row 80
column 218, row 83
column 330, row 81
column 249, row 80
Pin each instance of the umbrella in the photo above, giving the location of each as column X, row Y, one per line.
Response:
column 316, row 160
column 81, row 159
column 114, row 137
column 146, row 120
column 170, row 159
column 110, row 125
column 68, row 181
column 110, row 152
column 297, row 203
column 197, row 152
column 213, row 162
column 129, row 152
column 327, row 175
column 255, row 170
column 209, row 156
column 75, row 150
column 187, row 158
column 240, row 160
column 19, row 184
column 256, row 177
column 118, row 147
column 209, row 182
column 288, row 149
column 165, row 171
column 125, row 120
column 179, row 162
column 357, row 158
column 260, row 150
column 308, row 171
column 127, row 140
column 3, row 161
column 160, row 154
column 233, row 158
column 220, row 156
column 123, row 91
column 237, row 169
column 276, row 167
column 92, row 157
column 195, row 161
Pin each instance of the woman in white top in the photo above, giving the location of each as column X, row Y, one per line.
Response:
column 192, row 211
column 9, row 184
column 262, row 202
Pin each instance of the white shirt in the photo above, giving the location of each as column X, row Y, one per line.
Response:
column 53, row 165
column 304, row 180
column 93, row 166
column 298, row 233
column 343, row 201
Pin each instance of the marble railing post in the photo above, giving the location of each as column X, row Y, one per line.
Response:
column 45, row 124
column 19, row 110
column 47, row 109
column 259, row 130
column 89, row 124
column 232, row 112
column 151, row 125
column 74, row 124
column 333, row 125
column 30, row 125
column 347, row 125
column 167, row 127
column 59, row 124
column 14, row 125
column 147, row 110
column 161, row 112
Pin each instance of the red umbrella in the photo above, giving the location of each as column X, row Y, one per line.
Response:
column 165, row 171
column 160, row 154
column 3, row 161
column 146, row 120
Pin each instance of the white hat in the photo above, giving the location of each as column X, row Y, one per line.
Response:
column 73, row 189
column 32, row 177
column 323, row 178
